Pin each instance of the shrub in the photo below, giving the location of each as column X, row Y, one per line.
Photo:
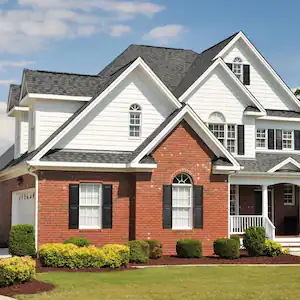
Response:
column 139, row 251
column 71, row 256
column 227, row 248
column 254, row 241
column 274, row 249
column 116, row 255
column 155, row 249
column 189, row 248
column 78, row 241
column 16, row 270
column 236, row 237
column 21, row 240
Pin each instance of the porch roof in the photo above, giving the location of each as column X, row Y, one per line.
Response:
column 265, row 161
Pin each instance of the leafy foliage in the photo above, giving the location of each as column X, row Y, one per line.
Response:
column 155, row 249
column 235, row 237
column 227, row 248
column 21, row 240
column 139, row 251
column 254, row 241
column 78, row 241
column 189, row 248
column 274, row 249
column 297, row 92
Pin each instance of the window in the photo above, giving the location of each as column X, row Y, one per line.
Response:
column 135, row 115
column 32, row 129
column 289, row 194
column 231, row 138
column 182, row 190
column 261, row 138
column 234, row 203
column 219, row 131
column 287, row 139
column 237, row 68
column 90, row 204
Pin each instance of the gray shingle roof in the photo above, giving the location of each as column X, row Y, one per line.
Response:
column 7, row 157
column 252, row 108
column 14, row 93
column 265, row 161
column 283, row 113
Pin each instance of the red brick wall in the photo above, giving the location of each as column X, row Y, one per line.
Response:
column 6, row 189
column 182, row 151
column 54, row 207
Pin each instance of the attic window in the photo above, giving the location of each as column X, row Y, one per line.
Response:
column 237, row 68
column 135, row 121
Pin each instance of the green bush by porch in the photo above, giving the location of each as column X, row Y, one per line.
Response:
column 254, row 241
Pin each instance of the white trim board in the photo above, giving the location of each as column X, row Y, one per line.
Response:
column 220, row 62
column 242, row 36
column 289, row 160
column 137, row 63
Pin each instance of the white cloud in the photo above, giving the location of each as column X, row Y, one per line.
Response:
column 36, row 23
column 7, row 81
column 165, row 34
column 119, row 30
column 7, row 129
column 14, row 64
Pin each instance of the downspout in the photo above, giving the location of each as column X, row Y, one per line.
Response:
column 36, row 206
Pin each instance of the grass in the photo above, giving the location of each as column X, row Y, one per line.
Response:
column 176, row 283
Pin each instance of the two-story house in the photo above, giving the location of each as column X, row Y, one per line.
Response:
column 163, row 143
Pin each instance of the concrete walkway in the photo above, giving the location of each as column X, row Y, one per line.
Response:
column 4, row 253
column 5, row 298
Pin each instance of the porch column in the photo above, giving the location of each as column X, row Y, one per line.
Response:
column 265, row 201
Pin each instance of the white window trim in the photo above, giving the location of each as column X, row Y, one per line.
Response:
column 190, row 186
column 241, row 65
column 90, row 205
column 237, row 200
column 266, row 139
column 140, row 125
column 293, row 197
column 292, row 140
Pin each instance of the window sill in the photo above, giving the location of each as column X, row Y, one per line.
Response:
column 89, row 228
column 134, row 138
column 183, row 229
column 289, row 204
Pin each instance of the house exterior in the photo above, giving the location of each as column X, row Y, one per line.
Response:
column 163, row 143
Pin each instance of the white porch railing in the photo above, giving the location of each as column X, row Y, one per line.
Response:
column 270, row 229
column 238, row 224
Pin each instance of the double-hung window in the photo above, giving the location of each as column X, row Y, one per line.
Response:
column 261, row 138
column 182, row 199
column 237, row 68
column 90, row 206
column 289, row 194
column 135, row 120
column 226, row 134
column 234, row 201
column 287, row 139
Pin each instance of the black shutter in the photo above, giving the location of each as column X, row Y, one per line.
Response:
column 198, row 206
column 271, row 139
column 229, row 66
column 107, row 205
column 241, row 140
column 278, row 139
column 167, row 206
column 73, row 206
column 246, row 74
column 297, row 139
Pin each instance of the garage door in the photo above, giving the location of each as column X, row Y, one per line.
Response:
column 23, row 204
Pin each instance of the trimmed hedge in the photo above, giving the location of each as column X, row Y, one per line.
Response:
column 189, row 248
column 16, row 270
column 227, row 248
column 254, row 241
column 78, row 241
column 155, row 249
column 74, row 257
column 139, row 251
column 21, row 240
column 236, row 237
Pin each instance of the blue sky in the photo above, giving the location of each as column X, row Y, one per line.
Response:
column 83, row 36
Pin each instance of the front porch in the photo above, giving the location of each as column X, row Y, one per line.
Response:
column 275, row 207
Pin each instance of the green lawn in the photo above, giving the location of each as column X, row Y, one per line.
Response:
column 176, row 283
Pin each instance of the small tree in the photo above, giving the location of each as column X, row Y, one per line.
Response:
column 297, row 92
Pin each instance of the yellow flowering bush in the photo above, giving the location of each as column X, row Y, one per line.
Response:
column 16, row 270
column 74, row 257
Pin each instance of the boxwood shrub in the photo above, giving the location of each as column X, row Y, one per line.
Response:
column 16, row 270
column 116, row 255
column 21, row 240
column 78, row 241
column 254, row 241
column 189, row 248
column 236, row 237
column 139, row 251
column 155, row 249
column 227, row 248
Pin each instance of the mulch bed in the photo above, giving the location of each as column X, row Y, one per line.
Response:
column 244, row 259
column 31, row 287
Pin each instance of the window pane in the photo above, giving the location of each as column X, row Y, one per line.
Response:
column 89, row 194
column 89, row 216
column 181, row 196
column 181, row 218
column 233, row 200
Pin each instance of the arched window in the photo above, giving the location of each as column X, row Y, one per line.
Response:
column 237, row 68
column 182, row 202
column 225, row 133
column 135, row 120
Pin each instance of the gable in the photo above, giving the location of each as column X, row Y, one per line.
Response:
column 106, row 127
column 263, row 85
column 218, row 92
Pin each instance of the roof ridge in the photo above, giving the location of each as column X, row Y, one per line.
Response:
column 66, row 73
column 162, row 47
column 220, row 42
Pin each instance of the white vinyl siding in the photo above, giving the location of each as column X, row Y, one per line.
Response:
column 289, row 194
column 106, row 127
column 90, row 204
column 21, row 134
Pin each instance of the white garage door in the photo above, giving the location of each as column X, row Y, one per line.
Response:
column 23, row 207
